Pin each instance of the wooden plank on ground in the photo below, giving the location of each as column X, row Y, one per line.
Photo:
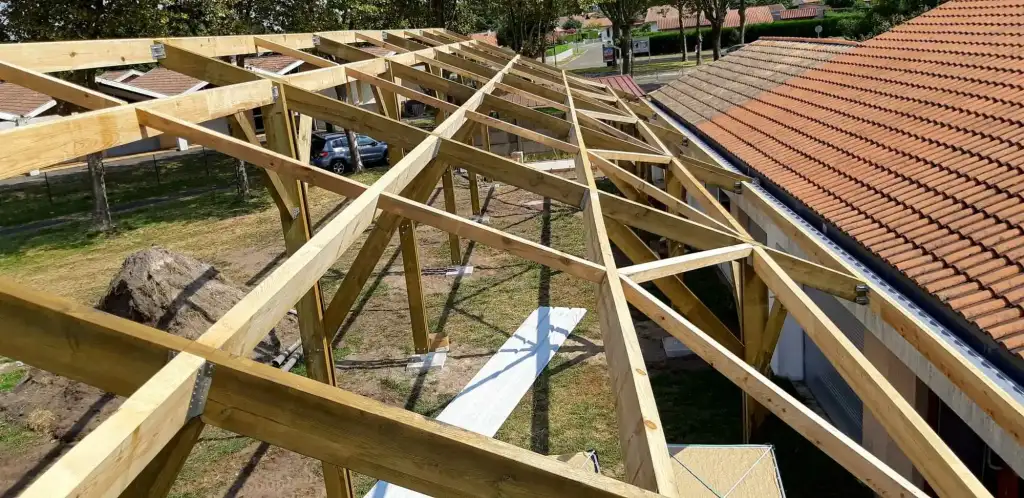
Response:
column 491, row 395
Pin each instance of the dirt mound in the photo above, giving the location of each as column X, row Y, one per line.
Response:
column 156, row 287
column 178, row 294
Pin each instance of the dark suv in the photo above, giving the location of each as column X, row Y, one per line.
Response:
column 330, row 151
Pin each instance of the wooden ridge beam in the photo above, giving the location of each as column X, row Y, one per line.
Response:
column 671, row 266
column 641, row 435
column 860, row 462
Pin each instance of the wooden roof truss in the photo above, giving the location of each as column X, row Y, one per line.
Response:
column 174, row 386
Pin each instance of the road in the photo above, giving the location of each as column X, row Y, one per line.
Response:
column 591, row 57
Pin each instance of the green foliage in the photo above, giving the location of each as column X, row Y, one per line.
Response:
column 557, row 49
column 571, row 23
column 10, row 379
column 668, row 42
column 883, row 16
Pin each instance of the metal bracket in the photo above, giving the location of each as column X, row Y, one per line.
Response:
column 384, row 35
column 275, row 93
column 158, row 51
column 737, row 188
column 200, row 391
column 862, row 294
column 316, row 40
column 586, row 200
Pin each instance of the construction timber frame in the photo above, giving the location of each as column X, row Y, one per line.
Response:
column 174, row 386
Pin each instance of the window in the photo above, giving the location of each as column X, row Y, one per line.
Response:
column 364, row 140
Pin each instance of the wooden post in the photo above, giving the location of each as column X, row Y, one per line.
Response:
column 414, row 285
column 101, row 208
column 448, row 184
column 754, row 312
column 297, row 226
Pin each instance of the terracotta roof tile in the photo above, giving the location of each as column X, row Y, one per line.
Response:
column 911, row 142
column 624, row 83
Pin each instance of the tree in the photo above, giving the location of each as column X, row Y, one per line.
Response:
column 715, row 11
column 622, row 13
column 742, row 9
column 572, row 23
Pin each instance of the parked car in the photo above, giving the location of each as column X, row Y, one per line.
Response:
column 330, row 151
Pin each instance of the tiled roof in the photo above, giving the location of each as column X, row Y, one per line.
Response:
column 761, row 14
column 801, row 13
column 911, row 143
column 164, row 81
column 622, row 82
column 486, row 37
column 273, row 63
column 20, row 101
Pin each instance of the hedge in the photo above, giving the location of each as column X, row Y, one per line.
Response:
column 667, row 42
column 558, row 49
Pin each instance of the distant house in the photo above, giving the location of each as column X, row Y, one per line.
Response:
column 136, row 86
column 666, row 17
column 490, row 37
column 21, row 105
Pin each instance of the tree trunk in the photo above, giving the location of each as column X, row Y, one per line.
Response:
column 437, row 9
column 354, row 158
column 743, row 21
column 716, row 39
column 627, row 49
column 242, row 180
column 700, row 40
column 101, row 210
column 682, row 31
column 241, row 176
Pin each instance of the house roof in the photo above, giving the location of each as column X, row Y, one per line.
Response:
column 273, row 63
column 165, row 82
column 160, row 82
column 622, row 82
column 910, row 142
column 490, row 37
column 18, row 101
column 801, row 13
column 654, row 15
column 761, row 14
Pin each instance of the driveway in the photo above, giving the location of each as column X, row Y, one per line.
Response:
column 591, row 57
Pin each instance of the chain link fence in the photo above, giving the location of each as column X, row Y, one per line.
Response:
column 129, row 181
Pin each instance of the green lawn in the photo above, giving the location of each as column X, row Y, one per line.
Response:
column 557, row 49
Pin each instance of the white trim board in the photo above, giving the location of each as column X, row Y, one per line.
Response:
column 489, row 398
